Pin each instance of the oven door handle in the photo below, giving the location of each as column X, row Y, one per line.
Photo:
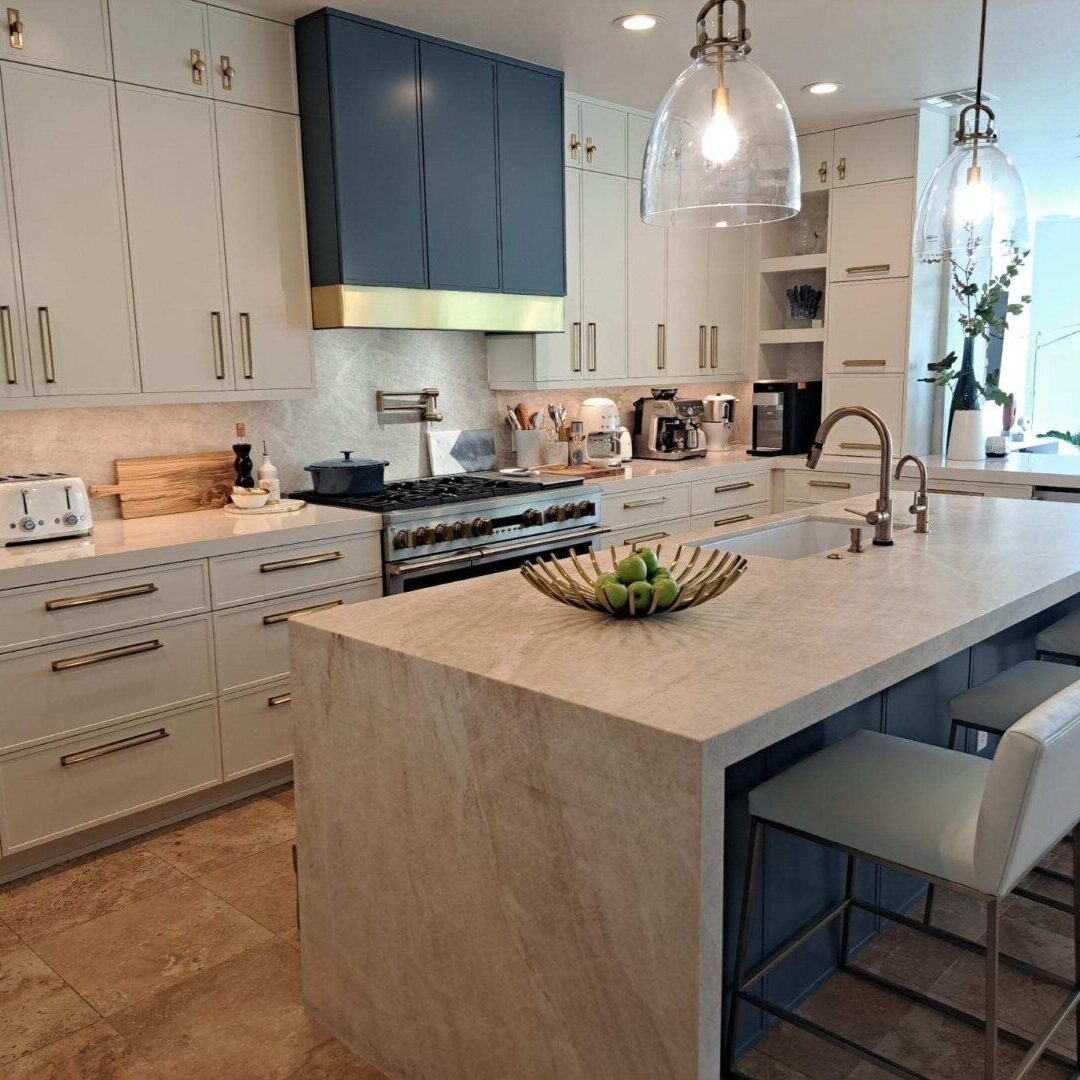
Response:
column 436, row 562
column 551, row 540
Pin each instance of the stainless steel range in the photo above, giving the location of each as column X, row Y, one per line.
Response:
column 451, row 527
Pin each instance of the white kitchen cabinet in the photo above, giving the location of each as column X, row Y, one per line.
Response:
column 71, row 35
column 870, row 153
column 816, row 160
column 882, row 393
column 718, row 519
column 688, row 302
column 638, row 129
column 572, row 155
column 256, row 729
column 177, row 244
column 162, row 43
column 868, row 327
column 14, row 355
column 630, row 509
column 646, row 289
column 559, row 357
column 603, row 139
column 263, row 209
column 603, row 273
column 870, row 231
column 653, row 534
column 252, row 61
column 65, row 163
column 727, row 266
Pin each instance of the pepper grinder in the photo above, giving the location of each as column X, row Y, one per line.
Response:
column 243, row 463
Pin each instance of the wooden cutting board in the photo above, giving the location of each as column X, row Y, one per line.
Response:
column 587, row 472
column 170, row 485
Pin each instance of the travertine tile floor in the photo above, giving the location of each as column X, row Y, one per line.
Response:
column 175, row 956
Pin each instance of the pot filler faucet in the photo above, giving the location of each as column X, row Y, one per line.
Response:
column 881, row 517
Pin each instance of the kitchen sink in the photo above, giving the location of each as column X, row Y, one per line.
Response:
column 796, row 538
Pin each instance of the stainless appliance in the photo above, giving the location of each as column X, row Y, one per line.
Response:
column 719, row 424
column 786, row 416
column 602, row 423
column 668, row 428
column 43, row 506
column 446, row 528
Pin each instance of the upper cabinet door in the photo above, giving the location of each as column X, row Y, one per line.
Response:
column 65, row 164
column 252, row 61
column 530, row 182
column 816, row 160
column 603, row 273
column 603, row 140
column 457, row 94
column 263, row 210
column 638, row 129
column 561, row 356
column 727, row 301
column 688, row 302
column 573, row 154
column 162, row 43
column 646, row 290
column 869, row 153
column 177, row 248
column 72, row 35
column 870, row 231
column 14, row 361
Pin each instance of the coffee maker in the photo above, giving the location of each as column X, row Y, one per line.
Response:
column 668, row 429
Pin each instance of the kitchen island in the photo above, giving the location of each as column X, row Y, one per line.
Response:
column 518, row 822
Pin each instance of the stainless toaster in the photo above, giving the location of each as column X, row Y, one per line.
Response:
column 42, row 506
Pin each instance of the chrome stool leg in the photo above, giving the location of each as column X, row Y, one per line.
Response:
column 757, row 831
column 993, row 922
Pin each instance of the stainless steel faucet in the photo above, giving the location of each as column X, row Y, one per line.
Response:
column 881, row 517
column 921, row 506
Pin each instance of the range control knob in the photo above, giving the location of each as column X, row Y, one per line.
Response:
column 533, row 517
column 71, row 518
column 443, row 533
column 461, row 530
column 27, row 524
column 402, row 539
column 481, row 527
column 586, row 509
column 555, row 513
column 422, row 536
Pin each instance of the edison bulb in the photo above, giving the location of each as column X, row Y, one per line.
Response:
column 973, row 202
column 720, row 140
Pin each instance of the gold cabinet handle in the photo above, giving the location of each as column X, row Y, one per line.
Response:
column 198, row 67
column 592, row 346
column 953, row 491
column 661, row 346
column 733, row 487
column 841, row 168
column 278, row 700
column 870, row 268
column 714, row 347
column 860, row 446
column 647, row 538
column 11, row 372
column 635, row 504
column 823, row 172
column 15, row 28
column 218, row 343
column 66, row 602
column 113, row 747
column 732, row 520
column 590, row 149
column 575, row 146
column 284, row 616
column 829, row 484
column 45, row 332
column 702, row 360
column 575, row 347
column 227, row 73
column 107, row 654
column 307, row 560
column 862, row 363
column 245, row 345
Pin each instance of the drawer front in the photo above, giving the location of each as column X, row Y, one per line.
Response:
column 48, row 613
column 72, row 785
column 853, row 436
column 868, row 327
column 256, row 730
column 870, row 231
column 253, row 642
column 651, row 535
column 727, row 491
column 67, row 688
column 260, row 575
column 990, row 491
column 718, row 519
column 640, row 507
column 819, row 486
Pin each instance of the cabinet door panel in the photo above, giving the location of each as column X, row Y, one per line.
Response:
column 646, row 289
column 532, row 233
column 727, row 301
column 263, row 211
column 869, row 153
column 65, row 161
column 14, row 359
column 870, row 231
column 816, row 161
column 153, row 40
column 71, row 35
column 457, row 94
column 603, row 271
column 605, row 129
column 687, row 301
column 573, row 143
column 261, row 55
column 561, row 356
column 177, row 247
column 868, row 329
column 882, row 393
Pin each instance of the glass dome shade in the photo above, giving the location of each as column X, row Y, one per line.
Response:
column 964, row 215
column 714, row 167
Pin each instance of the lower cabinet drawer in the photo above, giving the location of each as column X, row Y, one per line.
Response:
column 707, row 522
column 256, row 730
column 252, row 642
column 61, row 788
column 648, row 534
column 823, row 486
column 63, row 689
column 724, row 492
column 622, row 510
column 990, row 491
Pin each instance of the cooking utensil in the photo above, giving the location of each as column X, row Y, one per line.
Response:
column 174, row 484
column 344, row 476
column 512, row 420
column 522, row 412
column 536, row 421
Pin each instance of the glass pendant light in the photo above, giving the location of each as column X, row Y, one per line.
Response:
column 975, row 205
column 722, row 149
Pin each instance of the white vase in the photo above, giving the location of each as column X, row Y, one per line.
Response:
column 967, row 439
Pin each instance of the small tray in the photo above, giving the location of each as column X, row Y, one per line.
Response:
column 284, row 506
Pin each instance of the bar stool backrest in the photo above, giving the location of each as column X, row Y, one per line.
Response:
column 1032, row 794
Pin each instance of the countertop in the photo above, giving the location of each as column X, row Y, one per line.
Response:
column 126, row 544
column 796, row 640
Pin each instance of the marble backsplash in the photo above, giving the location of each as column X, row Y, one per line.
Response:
column 350, row 365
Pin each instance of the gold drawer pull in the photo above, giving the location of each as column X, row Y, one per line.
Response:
column 823, row 172
column 645, row 539
column 307, row 560
column 15, row 28
column 245, row 345
column 279, row 699
column 10, row 370
column 227, row 73
column 863, row 363
column 733, row 487
column 284, row 616
column 714, row 347
column 100, row 597
column 860, row 446
column 590, row 149
column 218, row 343
column 107, row 654
column 951, row 491
column 732, row 520
column 702, row 347
column 871, row 268
column 45, row 332
column 635, row 504
column 841, row 168
column 575, row 347
column 661, row 346
column 591, row 342
column 575, row 146
column 198, row 66
column 114, row 747
column 829, row 484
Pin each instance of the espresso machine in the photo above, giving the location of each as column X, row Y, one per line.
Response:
column 668, row 428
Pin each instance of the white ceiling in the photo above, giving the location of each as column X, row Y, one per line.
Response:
column 886, row 52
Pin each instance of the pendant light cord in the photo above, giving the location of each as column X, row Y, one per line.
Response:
column 973, row 172
column 982, row 50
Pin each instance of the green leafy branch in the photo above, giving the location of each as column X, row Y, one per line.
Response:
column 1064, row 436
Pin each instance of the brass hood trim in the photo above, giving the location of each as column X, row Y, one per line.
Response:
column 339, row 306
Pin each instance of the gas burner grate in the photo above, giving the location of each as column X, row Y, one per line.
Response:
column 429, row 491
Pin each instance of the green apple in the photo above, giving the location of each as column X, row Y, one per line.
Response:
column 667, row 592
column 632, row 569
column 642, row 593
column 648, row 556
column 615, row 593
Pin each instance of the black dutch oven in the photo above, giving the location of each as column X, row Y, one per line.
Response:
column 343, row 476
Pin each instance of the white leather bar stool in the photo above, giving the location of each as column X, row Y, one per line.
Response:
column 1061, row 640
column 955, row 820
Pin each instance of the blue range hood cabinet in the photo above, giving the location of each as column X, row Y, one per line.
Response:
column 434, row 181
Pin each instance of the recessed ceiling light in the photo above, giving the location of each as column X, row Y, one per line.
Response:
column 820, row 88
column 640, row 21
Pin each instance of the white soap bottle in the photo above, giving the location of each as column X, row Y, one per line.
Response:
column 269, row 477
